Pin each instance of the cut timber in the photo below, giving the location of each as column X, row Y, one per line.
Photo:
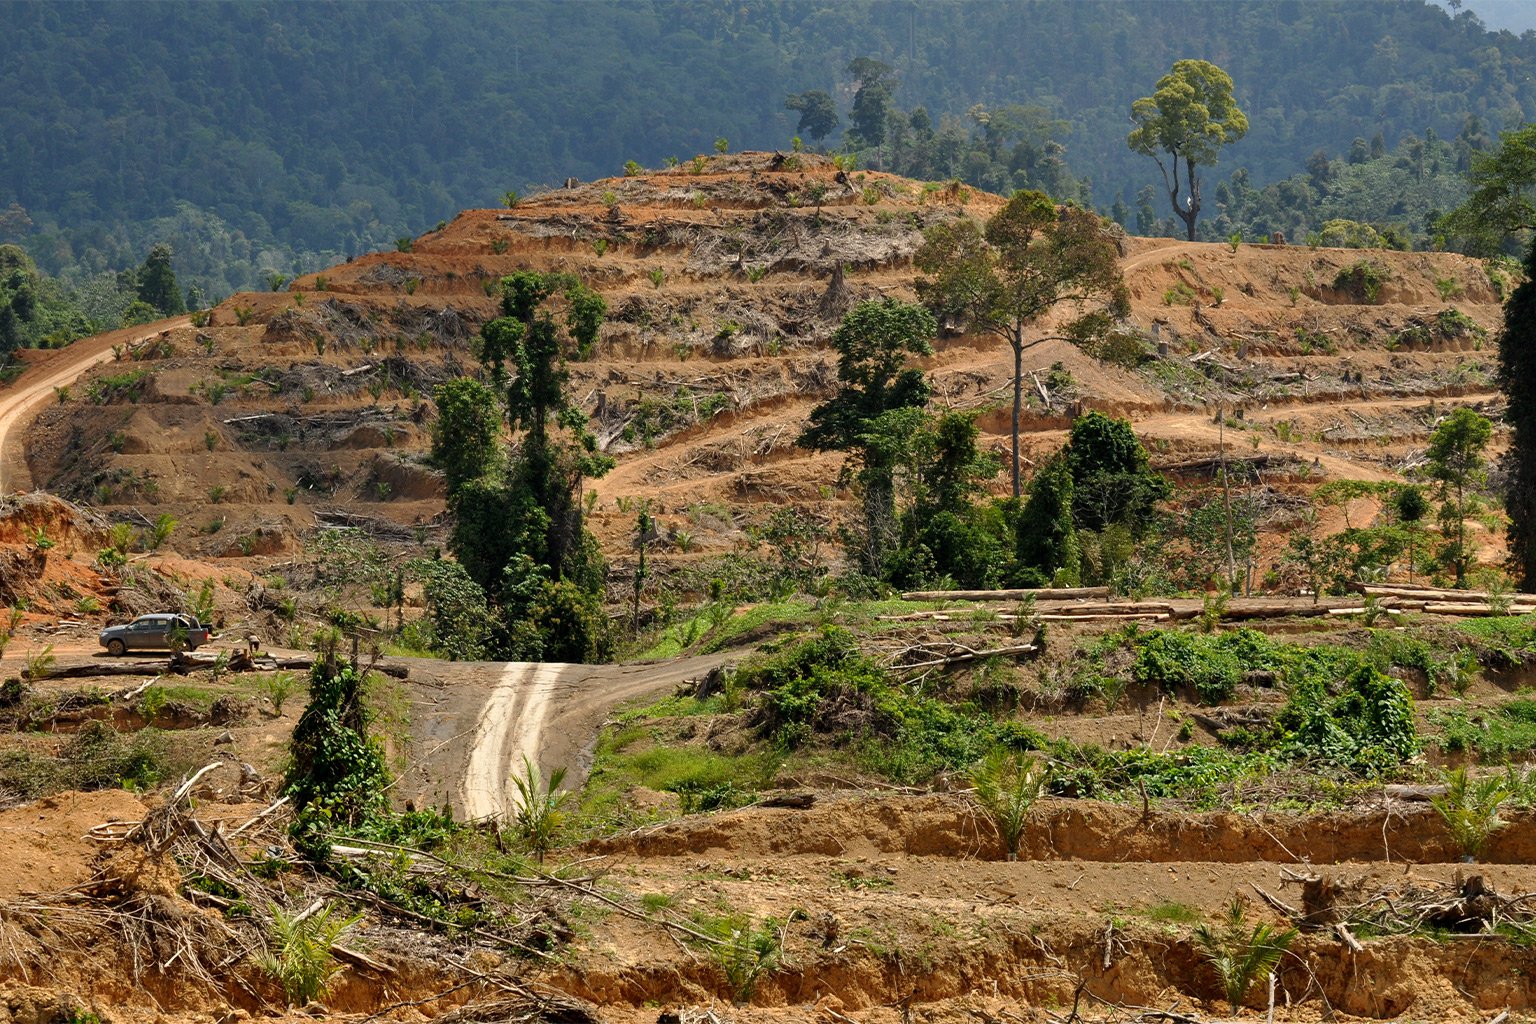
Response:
column 1105, row 616
column 1047, row 594
column 1237, row 610
column 1107, row 608
column 1449, row 608
column 1411, row 591
column 1406, row 791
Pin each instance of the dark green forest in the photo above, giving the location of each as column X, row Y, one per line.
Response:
column 256, row 137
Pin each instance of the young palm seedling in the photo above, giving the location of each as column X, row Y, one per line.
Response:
column 538, row 815
column 1007, row 784
column 301, row 958
column 1241, row 956
column 1471, row 810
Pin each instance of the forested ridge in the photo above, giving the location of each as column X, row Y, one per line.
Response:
column 256, row 137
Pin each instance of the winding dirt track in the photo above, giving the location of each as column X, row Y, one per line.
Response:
column 472, row 723
column 20, row 401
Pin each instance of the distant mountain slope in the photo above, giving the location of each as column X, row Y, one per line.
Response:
column 259, row 136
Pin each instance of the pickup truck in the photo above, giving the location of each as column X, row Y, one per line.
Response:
column 161, row 631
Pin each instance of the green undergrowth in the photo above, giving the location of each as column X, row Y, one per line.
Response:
column 96, row 757
column 1209, row 667
column 718, row 626
column 1504, row 641
column 1493, row 734
column 818, row 702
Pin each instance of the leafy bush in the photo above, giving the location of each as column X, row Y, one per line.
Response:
column 1368, row 727
column 1210, row 665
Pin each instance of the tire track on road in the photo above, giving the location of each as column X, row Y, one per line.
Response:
column 511, row 728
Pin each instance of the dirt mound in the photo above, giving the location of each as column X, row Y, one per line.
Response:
column 44, row 844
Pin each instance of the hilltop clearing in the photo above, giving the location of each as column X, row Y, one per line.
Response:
column 724, row 278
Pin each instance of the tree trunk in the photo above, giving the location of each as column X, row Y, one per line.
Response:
column 1018, row 403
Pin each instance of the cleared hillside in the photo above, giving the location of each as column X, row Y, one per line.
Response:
column 724, row 279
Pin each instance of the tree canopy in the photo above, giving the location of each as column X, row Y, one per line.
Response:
column 1030, row 258
column 1501, row 208
column 252, row 143
column 1190, row 117
column 1517, row 378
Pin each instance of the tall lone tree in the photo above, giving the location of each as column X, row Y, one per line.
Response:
column 818, row 114
column 1189, row 117
column 1517, row 377
column 1030, row 258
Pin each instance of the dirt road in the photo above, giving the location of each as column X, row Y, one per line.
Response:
column 19, row 402
column 473, row 723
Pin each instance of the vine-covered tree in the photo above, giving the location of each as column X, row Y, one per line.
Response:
column 1112, row 483
column 518, row 520
column 1517, row 378
column 875, row 343
column 465, row 435
column 872, row 100
column 1045, row 541
column 1030, row 258
column 1190, row 116
column 157, row 282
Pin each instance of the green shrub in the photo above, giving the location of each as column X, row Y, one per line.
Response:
column 1362, row 280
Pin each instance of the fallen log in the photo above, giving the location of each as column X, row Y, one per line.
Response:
column 1107, row 617
column 1038, row 593
column 88, row 671
column 1450, row 608
column 1127, row 607
column 1267, row 611
column 1410, row 590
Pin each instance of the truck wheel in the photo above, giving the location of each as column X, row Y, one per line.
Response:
column 116, row 648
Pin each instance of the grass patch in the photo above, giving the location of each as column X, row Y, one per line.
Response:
column 1494, row 736
column 646, row 749
column 1173, row 913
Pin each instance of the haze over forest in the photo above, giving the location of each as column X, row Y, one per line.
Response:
column 258, row 138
